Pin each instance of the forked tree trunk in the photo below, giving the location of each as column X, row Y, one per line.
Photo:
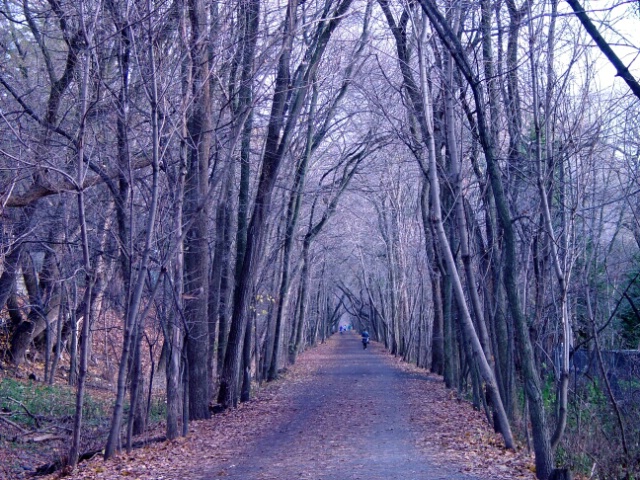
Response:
column 542, row 446
column 284, row 116
column 421, row 109
column 132, row 312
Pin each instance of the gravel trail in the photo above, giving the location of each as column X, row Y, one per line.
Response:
column 347, row 418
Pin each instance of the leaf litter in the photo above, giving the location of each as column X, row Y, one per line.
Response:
column 446, row 428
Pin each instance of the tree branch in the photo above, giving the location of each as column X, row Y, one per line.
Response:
column 620, row 67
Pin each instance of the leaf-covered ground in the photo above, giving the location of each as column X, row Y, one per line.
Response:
column 340, row 413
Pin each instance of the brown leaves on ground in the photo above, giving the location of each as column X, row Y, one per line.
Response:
column 457, row 433
column 452, row 432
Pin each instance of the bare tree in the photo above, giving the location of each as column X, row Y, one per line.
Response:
column 284, row 115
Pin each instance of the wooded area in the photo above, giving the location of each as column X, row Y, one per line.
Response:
column 193, row 192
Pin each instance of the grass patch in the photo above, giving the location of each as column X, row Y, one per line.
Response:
column 44, row 402
column 157, row 410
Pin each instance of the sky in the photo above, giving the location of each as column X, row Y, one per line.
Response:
column 619, row 23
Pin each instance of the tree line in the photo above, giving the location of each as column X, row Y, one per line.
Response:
column 217, row 185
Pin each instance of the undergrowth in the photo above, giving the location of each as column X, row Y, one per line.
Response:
column 27, row 403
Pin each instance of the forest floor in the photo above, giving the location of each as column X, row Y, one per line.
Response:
column 340, row 413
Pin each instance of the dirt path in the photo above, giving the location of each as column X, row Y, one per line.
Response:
column 349, row 420
column 340, row 413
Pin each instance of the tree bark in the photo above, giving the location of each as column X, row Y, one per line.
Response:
column 277, row 141
column 542, row 446
column 88, row 32
column 196, row 214
column 437, row 336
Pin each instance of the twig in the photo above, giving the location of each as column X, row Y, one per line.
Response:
column 35, row 419
column 15, row 425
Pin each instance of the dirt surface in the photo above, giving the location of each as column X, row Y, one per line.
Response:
column 341, row 413
column 350, row 420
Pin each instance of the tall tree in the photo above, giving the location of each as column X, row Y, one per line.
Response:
column 420, row 108
column 542, row 445
column 284, row 115
column 196, row 214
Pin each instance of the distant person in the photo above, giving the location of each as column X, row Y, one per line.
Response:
column 365, row 339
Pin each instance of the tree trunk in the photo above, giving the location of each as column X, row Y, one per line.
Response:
column 437, row 336
column 277, row 141
column 74, row 450
column 250, row 12
column 421, row 109
column 542, row 446
column 219, row 278
column 245, row 393
column 132, row 310
column 196, row 213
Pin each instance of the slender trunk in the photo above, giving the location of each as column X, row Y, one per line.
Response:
column 512, row 95
column 132, row 319
column 174, row 339
column 60, row 322
column 73, row 349
column 222, row 307
column 219, row 278
column 135, row 422
column 176, row 394
column 245, row 393
column 137, row 412
column 295, row 341
column 542, row 446
column 279, row 134
column 437, row 336
column 86, row 258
